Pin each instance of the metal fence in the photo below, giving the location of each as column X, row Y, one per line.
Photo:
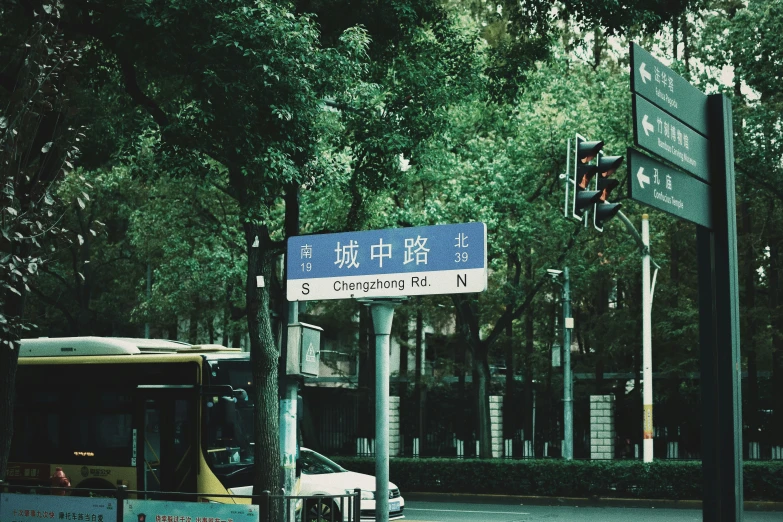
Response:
column 270, row 508
column 338, row 417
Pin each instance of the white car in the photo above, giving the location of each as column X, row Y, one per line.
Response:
column 321, row 476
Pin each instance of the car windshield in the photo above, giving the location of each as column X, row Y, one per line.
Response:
column 316, row 464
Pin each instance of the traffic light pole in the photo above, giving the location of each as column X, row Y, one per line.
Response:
column 568, row 395
column 647, row 344
column 648, row 288
column 289, row 386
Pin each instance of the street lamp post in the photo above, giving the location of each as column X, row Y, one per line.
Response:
column 568, row 390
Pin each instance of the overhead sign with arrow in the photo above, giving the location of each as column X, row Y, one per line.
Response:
column 660, row 133
column 665, row 188
column 668, row 90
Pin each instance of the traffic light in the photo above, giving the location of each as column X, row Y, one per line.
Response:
column 584, row 171
column 589, row 163
column 604, row 210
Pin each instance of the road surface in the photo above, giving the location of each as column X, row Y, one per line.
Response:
column 444, row 508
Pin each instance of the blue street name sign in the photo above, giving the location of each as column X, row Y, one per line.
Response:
column 439, row 259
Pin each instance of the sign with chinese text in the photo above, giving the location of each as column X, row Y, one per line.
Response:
column 171, row 511
column 439, row 259
column 660, row 133
column 16, row 507
column 25, row 471
column 668, row 90
column 665, row 188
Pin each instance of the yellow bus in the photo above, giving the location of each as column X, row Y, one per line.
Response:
column 152, row 415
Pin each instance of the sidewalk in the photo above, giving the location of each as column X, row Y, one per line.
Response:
column 749, row 505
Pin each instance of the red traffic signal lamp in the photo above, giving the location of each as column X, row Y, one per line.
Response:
column 604, row 210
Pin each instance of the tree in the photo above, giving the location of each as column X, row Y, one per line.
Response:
column 36, row 150
column 236, row 89
column 746, row 38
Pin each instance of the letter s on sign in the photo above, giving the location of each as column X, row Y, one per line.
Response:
column 305, row 288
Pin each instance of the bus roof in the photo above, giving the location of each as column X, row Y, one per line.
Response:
column 85, row 346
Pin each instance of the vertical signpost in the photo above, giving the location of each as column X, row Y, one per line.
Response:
column 693, row 131
column 381, row 268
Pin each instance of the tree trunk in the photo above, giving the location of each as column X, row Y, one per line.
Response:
column 264, row 361
column 9, row 358
column 83, row 276
column 527, row 372
column 481, row 385
column 8, row 363
column 776, row 328
column 195, row 315
column 675, row 36
column 509, row 415
column 419, row 392
column 226, row 318
column 366, row 375
column 686, row 50
column 749, row 328
column 12, row 310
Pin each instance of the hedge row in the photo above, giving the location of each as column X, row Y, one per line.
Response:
column 662, row 479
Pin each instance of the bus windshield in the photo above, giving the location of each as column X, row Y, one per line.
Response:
column 229, row 422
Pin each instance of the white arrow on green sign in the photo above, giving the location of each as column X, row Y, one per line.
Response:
column 663, row 135
column 668, row 90
column 668, row 189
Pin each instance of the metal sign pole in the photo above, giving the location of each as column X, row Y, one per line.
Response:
column 719, row 331
column 382, row 315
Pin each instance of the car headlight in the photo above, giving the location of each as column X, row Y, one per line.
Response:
column 368, row 495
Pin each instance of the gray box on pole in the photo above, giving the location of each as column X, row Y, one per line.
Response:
column 304, row 349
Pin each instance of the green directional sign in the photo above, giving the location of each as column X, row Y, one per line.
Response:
column 667, row 89
column 663, row 135
column 668, row 189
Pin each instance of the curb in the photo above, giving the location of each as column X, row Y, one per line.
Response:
column 749, row 505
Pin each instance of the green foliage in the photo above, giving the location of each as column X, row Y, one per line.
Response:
column 36, row 148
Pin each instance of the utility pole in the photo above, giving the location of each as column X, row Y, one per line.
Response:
column 289, row 386
column 568, row 392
